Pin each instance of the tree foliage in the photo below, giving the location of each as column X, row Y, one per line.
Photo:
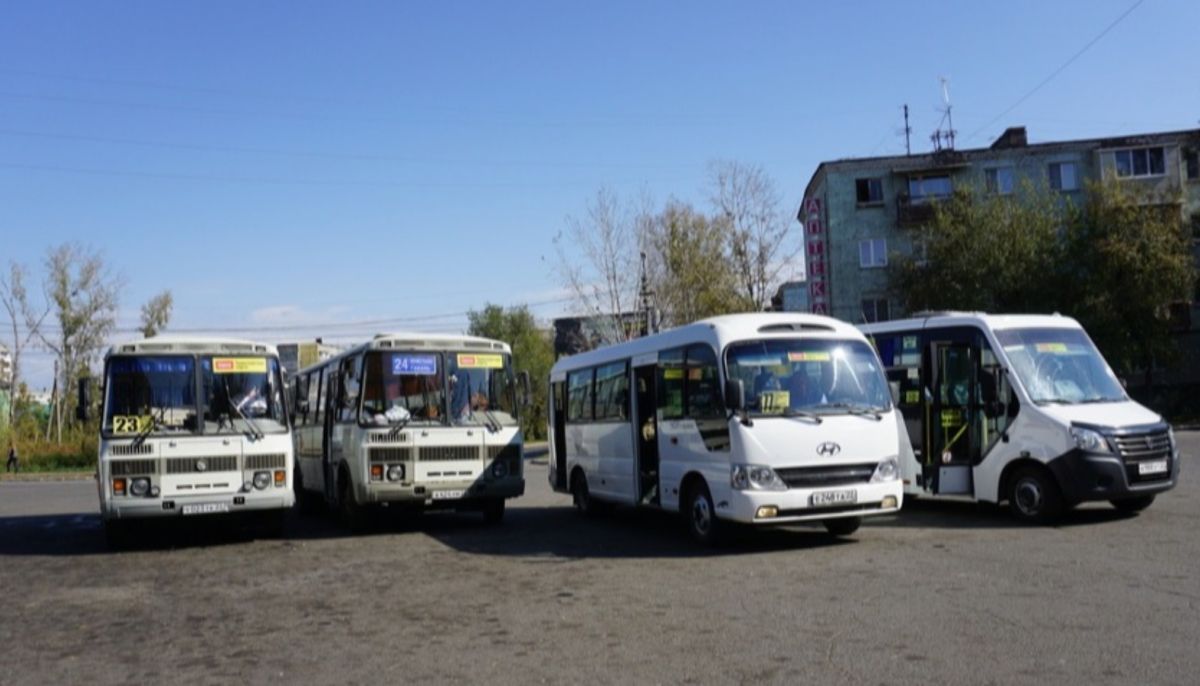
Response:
column 691, row 274
column 156, row 313
column 1116, row 263
column 532, row 352
column 24, row 323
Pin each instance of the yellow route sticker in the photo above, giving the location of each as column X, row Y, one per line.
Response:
column 239, row 365
column 775, row 402
column 912, row 397
column 672, row 374
column 131, row 423
column 810, row 356
column 951, row 418
column 1051, row 347
column 474, row 361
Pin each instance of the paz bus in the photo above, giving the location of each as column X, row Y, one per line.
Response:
column 759, row 419
column 192, row 426
column 1023, row 409
column 414, row 421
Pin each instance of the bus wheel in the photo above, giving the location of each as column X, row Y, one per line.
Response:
column 701, row 516
column 582, row 497
column 350, row 513
column 842, row 526
column 1133, row 504
column 493, row 511
column 1033, row 496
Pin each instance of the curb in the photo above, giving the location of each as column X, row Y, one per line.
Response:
column 26, row 477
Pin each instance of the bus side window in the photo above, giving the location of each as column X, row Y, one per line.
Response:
column 349, row 389
column 300, row 395
column 670, row 384
column 316, row 395
column 704, row 402
column 580, row 395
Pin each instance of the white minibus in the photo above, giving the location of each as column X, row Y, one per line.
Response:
column 1023, row 409
column 416, row 421
column 759, row 419
column 192, row 426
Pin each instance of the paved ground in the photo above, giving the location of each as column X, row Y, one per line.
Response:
column 942, row 593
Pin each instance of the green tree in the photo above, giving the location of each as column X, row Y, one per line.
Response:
column 994, row 253
column 156, row 313
column 1127, row 260
column 532, row 352
column 692, row 274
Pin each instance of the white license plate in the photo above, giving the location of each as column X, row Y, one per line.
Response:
column 1156, row 467
column 205, row 508
column 447, row 495
column 833, row 498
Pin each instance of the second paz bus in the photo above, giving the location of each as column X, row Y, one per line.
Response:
column 419, row 421
column 758, row 419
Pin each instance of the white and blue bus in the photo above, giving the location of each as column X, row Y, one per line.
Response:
column 759, row 419
column 192, row 426
column 416, row 421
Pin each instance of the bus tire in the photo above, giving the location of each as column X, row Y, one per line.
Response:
column 842, row 526
column 581, row 497
column 1034, row 496
column 700, row 516
column 307, row 501
column 493, row 511
column 350, row 513
column 1132, row 505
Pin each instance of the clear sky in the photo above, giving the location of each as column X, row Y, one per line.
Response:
column 278, row 164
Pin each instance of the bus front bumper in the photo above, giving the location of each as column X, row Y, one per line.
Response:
column 445, row 494
column 768, row 508
column 132, row 507
column 1085, row 476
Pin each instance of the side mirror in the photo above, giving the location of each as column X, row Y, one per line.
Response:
column 526, row 393
column 83, row 410
column 735, row 395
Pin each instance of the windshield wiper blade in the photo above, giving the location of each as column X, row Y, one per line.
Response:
column 254, row 431
column 494, row 423
column 395, row 431
column 156, row 423
column 855, row 409
column 802, row 414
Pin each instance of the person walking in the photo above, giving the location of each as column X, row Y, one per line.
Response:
column 13, row 464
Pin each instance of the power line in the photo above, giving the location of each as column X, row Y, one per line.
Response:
column 1061, row 68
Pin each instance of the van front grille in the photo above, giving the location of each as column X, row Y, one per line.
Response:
column 1154, row 446
column 446, row 453
column 133, row 467
column 199, row 465
column 268, row 461
column 390, row 455
column 820, row 477
column 131, row 449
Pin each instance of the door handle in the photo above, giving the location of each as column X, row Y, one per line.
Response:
column 674, row 440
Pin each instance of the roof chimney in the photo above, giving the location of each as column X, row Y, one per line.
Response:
column 1013, row 137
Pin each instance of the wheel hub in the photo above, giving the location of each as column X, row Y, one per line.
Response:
column 1028, row 495
column 701, row 515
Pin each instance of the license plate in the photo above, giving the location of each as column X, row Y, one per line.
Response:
column 447, row 495
column 1156, row 467
column 833, row 498
column 205, row 508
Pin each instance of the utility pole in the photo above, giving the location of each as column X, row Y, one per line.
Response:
column 646, row 295
column 907, row 133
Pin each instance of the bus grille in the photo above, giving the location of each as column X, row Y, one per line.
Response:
column 131, row 449
column 820, row 477
column 386, row 438
column 132, row 467
column 445, row 453
column 1145, row 447
column 190, row 465
column 268, row 461
column 390, row 454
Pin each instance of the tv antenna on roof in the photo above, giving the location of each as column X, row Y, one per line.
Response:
column 943, row 138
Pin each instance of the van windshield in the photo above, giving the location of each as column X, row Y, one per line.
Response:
column 817, row 376
column 1060, row 366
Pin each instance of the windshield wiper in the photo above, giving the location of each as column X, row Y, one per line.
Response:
column 802, row 414
column 255, row 432
column 854, row 409
column 495, row 424
column 156, row 423
column 395, row 431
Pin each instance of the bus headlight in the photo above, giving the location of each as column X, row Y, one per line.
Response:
column 888, row 470
column 395, row 472
column 499, row 470
column 757, row 477
column 262, row 480
column 1089, row 441
column 139, row 487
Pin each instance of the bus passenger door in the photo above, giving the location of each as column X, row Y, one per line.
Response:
column 558, row 404
column 952, row 422
column 329, row 415
column 645, row 435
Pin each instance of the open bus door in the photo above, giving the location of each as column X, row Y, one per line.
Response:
column 951, row 444
column 558, row 404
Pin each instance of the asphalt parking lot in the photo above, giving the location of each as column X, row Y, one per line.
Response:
column 942, row 593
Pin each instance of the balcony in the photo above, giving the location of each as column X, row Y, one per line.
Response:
column 913, row 212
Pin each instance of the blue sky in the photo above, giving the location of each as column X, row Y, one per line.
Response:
column 282, row 163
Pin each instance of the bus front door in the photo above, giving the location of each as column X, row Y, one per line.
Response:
column 952, row 446
column 558, row 403
column 645, row 435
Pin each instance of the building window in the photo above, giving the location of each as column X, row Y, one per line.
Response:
column 1063, row 176
column 921, row 188
column 875, row 310
column 868, row 191
column 1140, row 162
column 872, row 253
column 1191, row 160
column 999, row 180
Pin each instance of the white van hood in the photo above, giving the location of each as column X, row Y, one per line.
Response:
column 1111, row 415
column 793, row 442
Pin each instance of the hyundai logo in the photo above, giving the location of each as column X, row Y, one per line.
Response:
column 828, row 449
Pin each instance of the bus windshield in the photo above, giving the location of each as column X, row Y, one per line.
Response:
column 150, row 394
column 402, row 387
column 481, row 389
column 1060, row 366
column 809, row 376
column 241, row 394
